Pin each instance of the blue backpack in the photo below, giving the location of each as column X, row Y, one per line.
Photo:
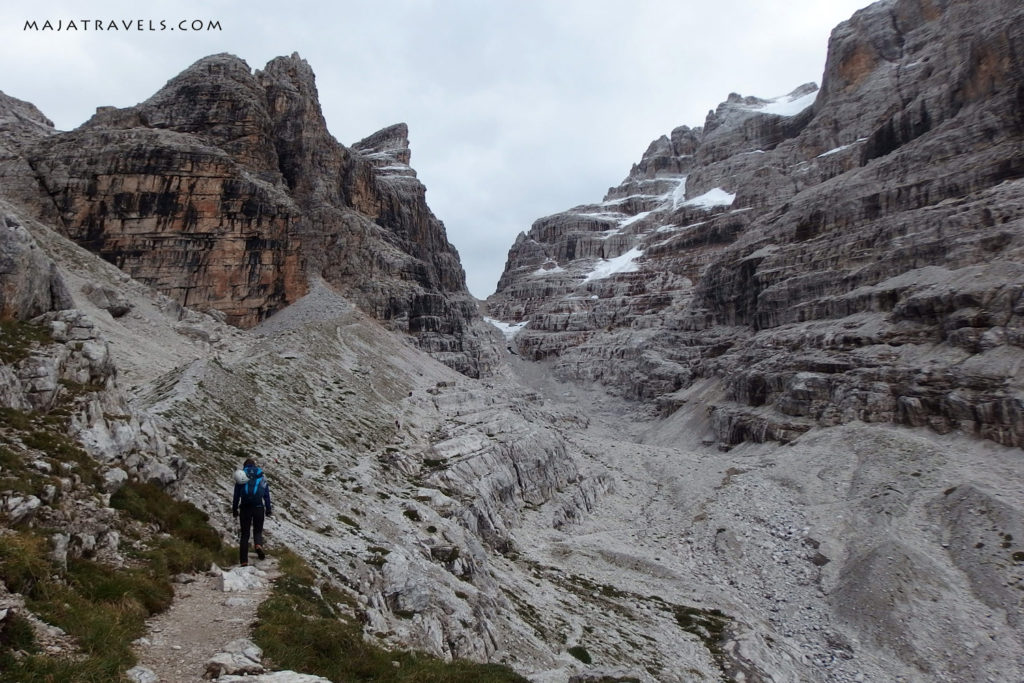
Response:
column 253, row 490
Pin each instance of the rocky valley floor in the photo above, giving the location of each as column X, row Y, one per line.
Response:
column 859, row 553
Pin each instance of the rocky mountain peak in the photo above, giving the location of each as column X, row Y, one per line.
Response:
column 388, row 146
column 226, row 191
column 783, row 222
column 21, row 121
column 292, row 68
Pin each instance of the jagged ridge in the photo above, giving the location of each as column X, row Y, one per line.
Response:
column 225, row 191
column 849, row 255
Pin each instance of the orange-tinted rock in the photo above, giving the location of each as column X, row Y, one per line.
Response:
column 226, row 191
column 178, row 215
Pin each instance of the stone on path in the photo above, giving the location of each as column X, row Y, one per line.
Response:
column 240, row 656
column 275, row 677
column 242, row 579
column 140, row 674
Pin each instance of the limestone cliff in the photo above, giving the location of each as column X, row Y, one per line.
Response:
column 226, row 191
column 853, row 253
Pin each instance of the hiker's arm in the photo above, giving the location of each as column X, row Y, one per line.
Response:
column 266, row 499
column 234, row 501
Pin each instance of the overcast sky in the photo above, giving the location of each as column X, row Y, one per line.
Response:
column 516, row 108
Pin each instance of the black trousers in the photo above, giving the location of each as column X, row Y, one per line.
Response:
column 249, row 517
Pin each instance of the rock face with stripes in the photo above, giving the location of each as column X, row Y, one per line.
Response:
column 849, row 253
column 226, row 191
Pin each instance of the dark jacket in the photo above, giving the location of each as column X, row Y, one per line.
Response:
column 252, row 473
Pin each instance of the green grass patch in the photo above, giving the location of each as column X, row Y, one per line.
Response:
column 580, row 653
column 24, row 562
column 345, row 519
column 44, row 432
column 62, row 447
column 18, row 338
column 17, row 476
column 172, row 555
column 102, row 585
column 103, row 608
column 17, row 635
column 192, row 544
column 710, row 625
column 298, row 629
column 16, row 419
column 38, row 668
column 149, row 503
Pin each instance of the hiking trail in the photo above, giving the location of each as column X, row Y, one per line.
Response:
column 202, row 620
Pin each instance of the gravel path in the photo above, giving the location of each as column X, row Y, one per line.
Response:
column 200, row 622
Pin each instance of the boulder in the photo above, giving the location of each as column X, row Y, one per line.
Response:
column 29, row 282
column 239, row 657
column 241, row 579
column 141, row 674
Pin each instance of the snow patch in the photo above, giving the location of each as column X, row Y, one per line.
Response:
column 678, row 195
column 626, row 263
column 785, row 105
column 603, row 215
column 712, row 198
column 622, row 200
column 634, row 219
column 510, row 330
column 676, row 228
column 546, row 271
column 840, row 149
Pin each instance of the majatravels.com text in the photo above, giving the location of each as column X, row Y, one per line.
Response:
column 123, row 25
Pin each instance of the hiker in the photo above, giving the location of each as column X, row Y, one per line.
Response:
column 250, row 503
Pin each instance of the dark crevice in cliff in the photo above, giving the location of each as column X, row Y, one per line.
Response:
column 40, row 179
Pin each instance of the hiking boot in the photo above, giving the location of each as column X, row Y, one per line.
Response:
column 244, row 564
column 259, row 552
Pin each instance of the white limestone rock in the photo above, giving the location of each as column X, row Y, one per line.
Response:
column 239, row 657
column 275, row 677
column 21, row 509
column 241, row 579
column 113, row 479
column 140, row 674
